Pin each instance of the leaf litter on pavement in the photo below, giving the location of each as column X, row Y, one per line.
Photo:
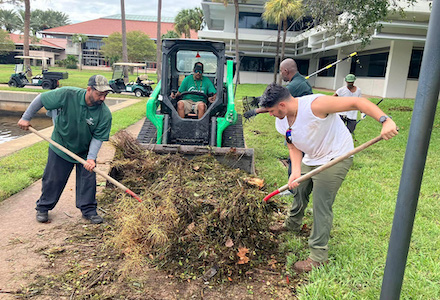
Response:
column 199, row 221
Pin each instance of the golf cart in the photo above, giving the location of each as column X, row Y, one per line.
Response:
column 47, row 80
column 219, row 131
column 141, row 87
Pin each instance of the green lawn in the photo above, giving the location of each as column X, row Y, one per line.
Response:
column 76, row 77
column 363, row 211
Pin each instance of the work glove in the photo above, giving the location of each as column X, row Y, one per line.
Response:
column 250, row 113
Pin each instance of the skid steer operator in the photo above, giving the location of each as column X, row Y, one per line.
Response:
column 194, row 103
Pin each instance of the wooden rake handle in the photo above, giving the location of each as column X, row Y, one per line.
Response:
column 325, row 166
column 82, row 161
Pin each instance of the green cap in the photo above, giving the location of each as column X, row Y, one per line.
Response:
column 350, row 78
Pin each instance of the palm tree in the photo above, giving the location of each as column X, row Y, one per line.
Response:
column 27, row 21
column 45, row 19
column 159, row 41
column 79, row 39
column 188, row 19
column 237, row 54
column 41, row 20
column 181, row 23
column 124, row 40
column 277, row 12
column 9, row 20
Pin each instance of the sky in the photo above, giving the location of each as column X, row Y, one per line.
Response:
column 83, row 10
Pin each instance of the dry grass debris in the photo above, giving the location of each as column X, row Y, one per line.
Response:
column 196, row 214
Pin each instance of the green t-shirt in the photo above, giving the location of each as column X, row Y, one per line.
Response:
column 76, row 123
column 299, row 86
column 204, row 85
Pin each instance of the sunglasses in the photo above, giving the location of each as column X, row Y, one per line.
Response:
column 289, row 136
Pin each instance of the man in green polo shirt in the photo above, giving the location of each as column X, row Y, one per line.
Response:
column 297, row 85
column 82, row 121
column 197, row 83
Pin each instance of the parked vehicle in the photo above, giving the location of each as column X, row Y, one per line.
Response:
column 47, row 80
column 141, row 87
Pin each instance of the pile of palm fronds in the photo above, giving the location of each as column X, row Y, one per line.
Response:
column 196, row 215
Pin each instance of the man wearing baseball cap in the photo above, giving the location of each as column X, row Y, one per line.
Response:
column 349, row 117
column 82, row 121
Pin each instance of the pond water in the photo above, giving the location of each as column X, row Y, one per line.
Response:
column 9, row 129
column 8, row 122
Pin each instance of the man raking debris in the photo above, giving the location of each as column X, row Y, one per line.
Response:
column 82, row 123
column 312, row 126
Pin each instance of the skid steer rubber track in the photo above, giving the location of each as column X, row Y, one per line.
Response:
column 233, row 135
column 148, row 133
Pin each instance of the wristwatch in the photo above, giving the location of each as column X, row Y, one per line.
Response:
column 383, row 119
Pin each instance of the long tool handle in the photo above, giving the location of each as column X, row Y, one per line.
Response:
column 325, row 166
column 74, row 156
column 331, row 65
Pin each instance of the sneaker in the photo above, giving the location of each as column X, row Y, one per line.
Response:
column 307, row 265
column 42, row 216
column 94, row 219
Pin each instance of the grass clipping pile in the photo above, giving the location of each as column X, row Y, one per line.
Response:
column 197, row 219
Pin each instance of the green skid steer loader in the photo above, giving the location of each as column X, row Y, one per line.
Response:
column 220, row 130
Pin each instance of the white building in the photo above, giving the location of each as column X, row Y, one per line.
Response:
column 388, row 67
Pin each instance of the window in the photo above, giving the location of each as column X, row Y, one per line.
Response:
column 186, row 60
column 254, row 21
column 266, row 64
column 373, row 65
column 257, row 64
column 415, row 64
column 325, row 61
column 303, row 66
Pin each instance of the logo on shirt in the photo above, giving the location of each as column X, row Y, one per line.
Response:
column 193, row 88
column 90, row 121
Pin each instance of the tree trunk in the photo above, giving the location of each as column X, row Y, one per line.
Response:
column 124, row 41
column 284, row 44
column 27, row 22
column 159, row 41
column 277, row 57
column 80, row 56
column 237, row 55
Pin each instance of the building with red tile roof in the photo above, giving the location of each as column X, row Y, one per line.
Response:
column 100, row 28
column 52, row 48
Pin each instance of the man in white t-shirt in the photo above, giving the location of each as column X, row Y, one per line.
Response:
column 311, row 126
column 349, row 117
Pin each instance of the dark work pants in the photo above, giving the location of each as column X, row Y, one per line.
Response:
column 350, row 123
column 55, row 177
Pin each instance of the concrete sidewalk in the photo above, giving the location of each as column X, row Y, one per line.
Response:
column 22, row 237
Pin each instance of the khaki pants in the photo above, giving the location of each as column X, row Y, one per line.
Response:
column 191, row 106
column 324, row 186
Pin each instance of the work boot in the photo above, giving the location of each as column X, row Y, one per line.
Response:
column 307, row 265
column 94, row 219
column 281, row 228
column 42, row 216
column 278, row 229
